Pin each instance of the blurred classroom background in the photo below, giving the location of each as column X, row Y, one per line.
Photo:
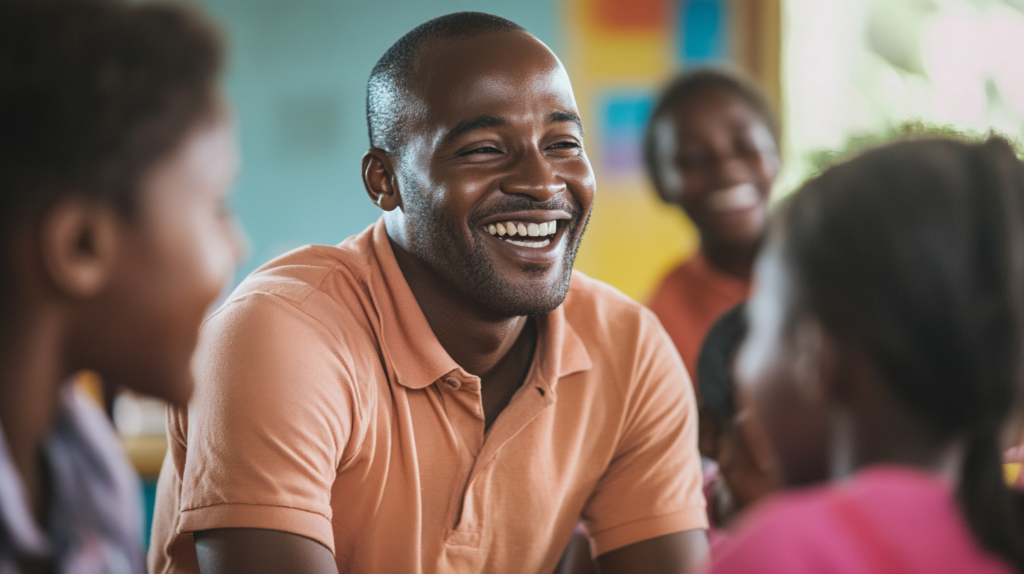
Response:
column 837, row 70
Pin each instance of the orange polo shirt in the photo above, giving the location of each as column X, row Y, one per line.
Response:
column 326, row 407
column 690, row 299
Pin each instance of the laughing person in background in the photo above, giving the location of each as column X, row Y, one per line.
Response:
column 712, row 149
column 440, row 393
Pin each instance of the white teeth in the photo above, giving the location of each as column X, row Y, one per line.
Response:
column 735, row 198
column 529, row 229
column 533, row 244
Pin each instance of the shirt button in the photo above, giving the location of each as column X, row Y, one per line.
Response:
column 453, row 383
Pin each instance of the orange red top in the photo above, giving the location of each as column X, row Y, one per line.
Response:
column 326, row 407
column 690, row 299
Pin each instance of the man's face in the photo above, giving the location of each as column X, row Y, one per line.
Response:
column 495, row 149
column 717, row 159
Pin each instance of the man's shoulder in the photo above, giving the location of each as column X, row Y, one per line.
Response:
column 294, row 275
column 322, row 284
column 300, row 272
column 589, row 292
column 597, row 307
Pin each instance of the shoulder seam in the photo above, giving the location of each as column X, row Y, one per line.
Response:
column 334, row 338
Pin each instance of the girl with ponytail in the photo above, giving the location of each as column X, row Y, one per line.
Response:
column 885, row 355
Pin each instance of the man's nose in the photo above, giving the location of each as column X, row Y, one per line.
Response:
column 533, row 175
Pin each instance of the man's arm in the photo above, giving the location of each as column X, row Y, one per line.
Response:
column 669, row 554
column 266, row 431
column 255, row 551
column 647, row 512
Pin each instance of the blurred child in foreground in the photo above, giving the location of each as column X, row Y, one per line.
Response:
column 738, row 466
column 711, row 148
column 884, row 355
column 115, row 161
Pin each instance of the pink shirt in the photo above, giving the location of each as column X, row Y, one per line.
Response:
column 885, row 519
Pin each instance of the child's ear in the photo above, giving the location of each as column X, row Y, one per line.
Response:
column 78, row 245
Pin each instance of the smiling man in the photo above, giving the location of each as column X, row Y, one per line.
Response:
column 440, row 393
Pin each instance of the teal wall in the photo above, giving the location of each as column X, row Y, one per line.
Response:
column 297, row 79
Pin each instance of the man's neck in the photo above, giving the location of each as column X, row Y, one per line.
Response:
column 29, row 398
column 476, row 342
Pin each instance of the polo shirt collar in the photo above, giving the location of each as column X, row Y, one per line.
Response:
column 405, row 335
column 417, row 356
column 560, row 350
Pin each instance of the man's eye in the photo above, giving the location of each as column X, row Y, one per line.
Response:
column 566, row 145
column 484, row 149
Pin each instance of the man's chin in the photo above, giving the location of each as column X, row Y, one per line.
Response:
column 529, row 296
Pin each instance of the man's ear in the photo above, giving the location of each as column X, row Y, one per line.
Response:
column 78, row 244
column 380, row 179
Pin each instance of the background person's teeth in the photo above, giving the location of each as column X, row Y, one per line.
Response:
column 533, row 230
column 552, row 227
column 492, row 229
column 743, row 196
column 522, row 229
column 501, row 229
column 511, row 228
column 543, row 229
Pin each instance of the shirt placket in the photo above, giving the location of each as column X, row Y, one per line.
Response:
column 465, row 412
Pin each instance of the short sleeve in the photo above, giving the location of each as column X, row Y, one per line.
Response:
column 269, row 422
column 653, row 485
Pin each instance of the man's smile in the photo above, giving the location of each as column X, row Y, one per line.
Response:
column 536, row 236
column 529, row 234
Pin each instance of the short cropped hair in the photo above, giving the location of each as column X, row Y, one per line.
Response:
column 698, row 81
column 714, row 364
column 93, row 94
column 387, row 89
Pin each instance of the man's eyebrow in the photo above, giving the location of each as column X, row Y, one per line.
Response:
column 558, row 117
column 467, row 126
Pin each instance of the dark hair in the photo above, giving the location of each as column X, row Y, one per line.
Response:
column 93, row 94
column 714, row 364
column 916, row 252
column 698, row 81
column 386, row 90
